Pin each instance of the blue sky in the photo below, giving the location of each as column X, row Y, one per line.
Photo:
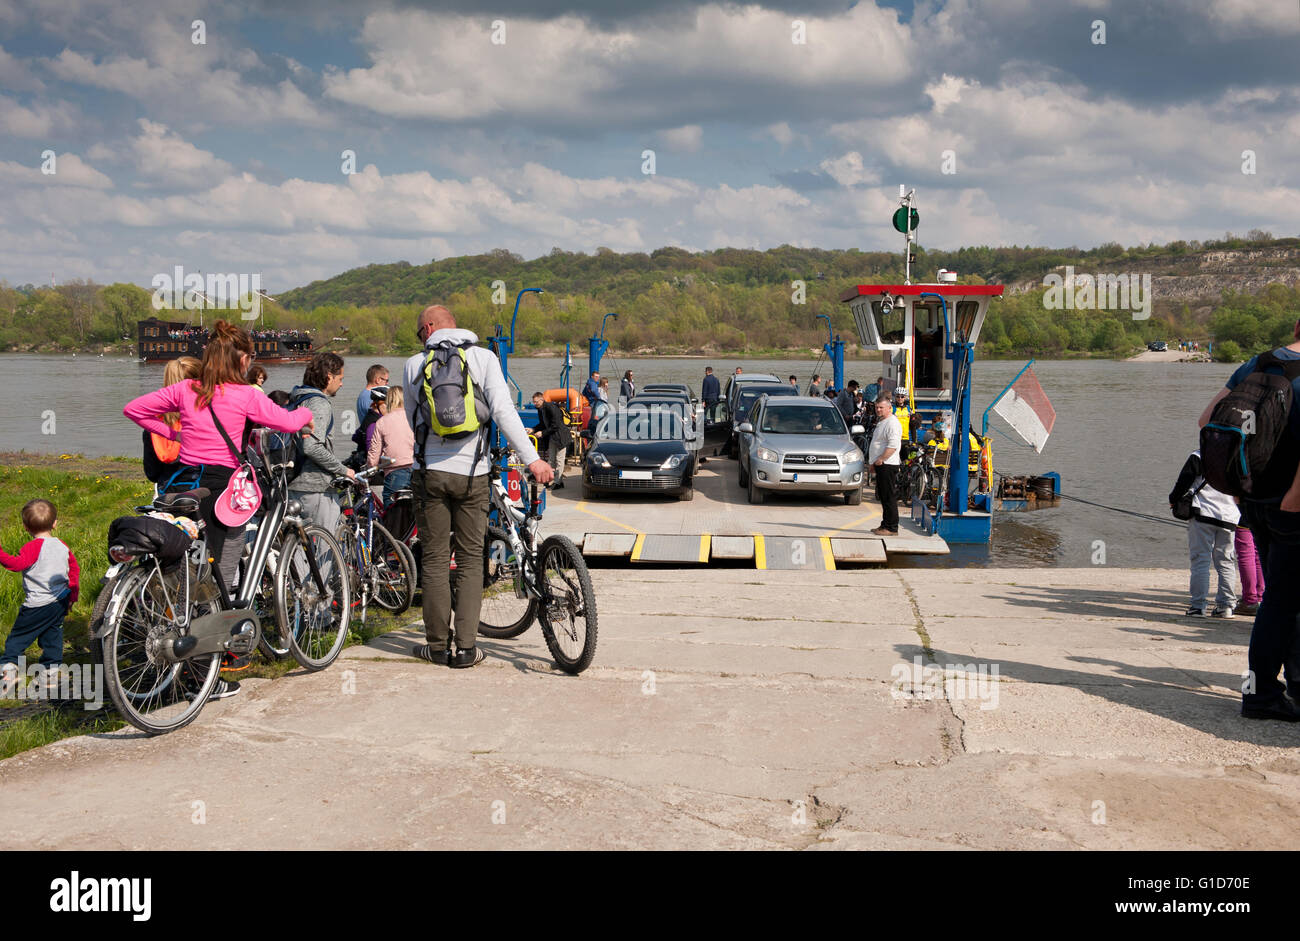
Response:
column 225, row 156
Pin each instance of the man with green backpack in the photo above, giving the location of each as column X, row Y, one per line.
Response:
column 454, row 393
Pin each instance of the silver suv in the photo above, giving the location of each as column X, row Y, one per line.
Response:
column 799, row 444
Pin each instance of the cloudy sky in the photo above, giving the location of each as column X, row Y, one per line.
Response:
column 522, row 125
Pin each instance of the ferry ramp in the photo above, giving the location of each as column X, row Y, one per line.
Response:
column 720, row 526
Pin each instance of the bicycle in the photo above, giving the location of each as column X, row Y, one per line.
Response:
column 379, row 565
column 524, row 581
column 162, row 624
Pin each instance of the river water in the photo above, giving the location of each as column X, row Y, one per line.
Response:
column 1122, row 433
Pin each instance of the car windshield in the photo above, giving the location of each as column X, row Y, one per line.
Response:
column 747, row 396
column 803, row 420
column 642, row 424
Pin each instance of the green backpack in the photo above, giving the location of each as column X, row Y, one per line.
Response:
column 451, row 405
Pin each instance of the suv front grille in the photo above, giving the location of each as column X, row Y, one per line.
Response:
column 821, row 463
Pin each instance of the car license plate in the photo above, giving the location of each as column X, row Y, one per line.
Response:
column 811, row 478
column 635, row 475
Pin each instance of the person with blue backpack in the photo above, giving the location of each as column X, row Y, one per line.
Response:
column 454, row 393
column 1250, row 449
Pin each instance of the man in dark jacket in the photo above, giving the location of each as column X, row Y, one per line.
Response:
column 1271, row 515
column 552, row 435
column 710, row 388
column 845, row 402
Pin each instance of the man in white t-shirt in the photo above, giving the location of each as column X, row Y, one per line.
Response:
column 882, row 455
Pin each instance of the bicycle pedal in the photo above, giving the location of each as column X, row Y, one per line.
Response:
column 242, row 638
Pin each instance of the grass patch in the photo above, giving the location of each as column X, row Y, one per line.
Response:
column 87, row 500
column 24, row 734
column 90, row 493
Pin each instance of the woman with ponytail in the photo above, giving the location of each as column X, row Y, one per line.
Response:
column 205, row 460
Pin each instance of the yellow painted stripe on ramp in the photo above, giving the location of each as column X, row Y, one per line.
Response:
column 706, row 541
column 857, row 522
column 582, row 508
column 760, row 552
column 636, row 549
column 828, row 556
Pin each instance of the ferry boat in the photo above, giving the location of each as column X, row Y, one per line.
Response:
column 161, row 340
column 926, row 335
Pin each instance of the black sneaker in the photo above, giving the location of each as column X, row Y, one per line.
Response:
column 224, row 689
column 468, row 657
column 439, row 655
column 1282, row 709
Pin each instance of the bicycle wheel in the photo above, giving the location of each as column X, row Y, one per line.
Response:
column 568, row 605
column 316, row 621
column 273, row 642
column 392, row 572
column 504, row 614
column 152, row 694
column 346, row 537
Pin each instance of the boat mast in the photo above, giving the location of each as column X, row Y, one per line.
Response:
column 909, row 219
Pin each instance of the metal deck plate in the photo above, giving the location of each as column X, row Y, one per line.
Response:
column 659, row 547
column 615, row 544
column 721, row 524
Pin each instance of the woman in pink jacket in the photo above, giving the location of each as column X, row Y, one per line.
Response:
column 205, row 458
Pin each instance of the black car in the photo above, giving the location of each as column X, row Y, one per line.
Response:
column 673, row 387
column 641, row 450
column 1158, row 346
column 746, row 395
column 673, row 401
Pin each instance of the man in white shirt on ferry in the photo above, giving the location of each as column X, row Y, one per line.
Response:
column 882, row 456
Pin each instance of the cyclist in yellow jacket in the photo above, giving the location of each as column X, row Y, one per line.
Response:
column 902, row 412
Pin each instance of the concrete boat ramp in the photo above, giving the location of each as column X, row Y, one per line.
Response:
column 727, row 708
column 788, row 532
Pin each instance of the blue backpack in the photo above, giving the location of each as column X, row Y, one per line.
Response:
column 285, row 445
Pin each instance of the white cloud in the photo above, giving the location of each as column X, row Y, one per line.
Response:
column 849, row 170
column 946, row 91
column 70, row 170
column 16, row 74
column 686, row 138
column 568, row 69
column 1257, row 17
column 38, row 121
column 188, row 82
column 781, row 133
column 162, row 158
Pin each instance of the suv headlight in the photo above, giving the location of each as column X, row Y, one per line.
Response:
column 767, row 454
column 849, row 455
column 673, row 461
column 599, row 459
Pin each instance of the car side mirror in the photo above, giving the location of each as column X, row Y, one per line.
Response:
column 746, row 428
column 857, row 430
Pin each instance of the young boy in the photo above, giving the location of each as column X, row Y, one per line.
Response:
column 1209, row 540
column 50, row 581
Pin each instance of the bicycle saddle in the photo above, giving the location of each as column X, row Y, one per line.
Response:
column 181, row 503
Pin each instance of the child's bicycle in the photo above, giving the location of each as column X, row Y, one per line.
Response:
column 525, row 581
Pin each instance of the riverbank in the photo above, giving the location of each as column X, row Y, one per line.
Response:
column 1169, row 356
column 1000, row 709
